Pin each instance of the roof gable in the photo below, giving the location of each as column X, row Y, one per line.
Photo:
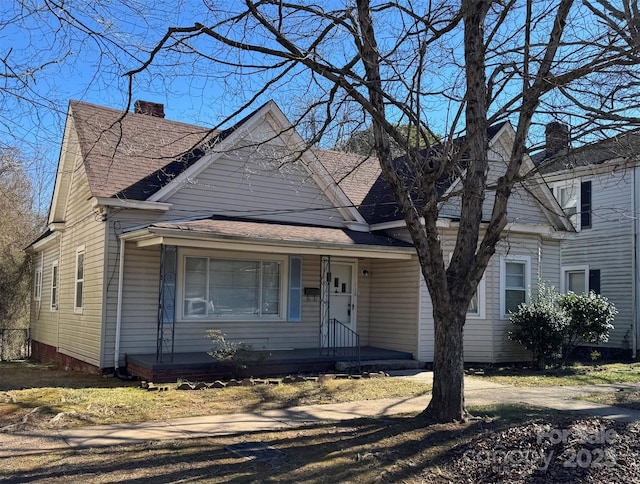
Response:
column 266, row 127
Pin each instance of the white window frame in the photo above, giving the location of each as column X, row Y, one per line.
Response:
column 37, row 283
column 575, row 184
column 480, row 292
column 55, row 269
column 575, row 268
column 522, row 259
column 283, row 260
column 79, row 251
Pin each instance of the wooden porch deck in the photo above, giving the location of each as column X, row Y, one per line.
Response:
column 200, row 366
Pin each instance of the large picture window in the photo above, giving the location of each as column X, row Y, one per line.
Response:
column 231, row 289
column 515, row 279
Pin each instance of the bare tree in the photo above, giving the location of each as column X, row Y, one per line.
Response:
column 20, row 224
column 447, row 67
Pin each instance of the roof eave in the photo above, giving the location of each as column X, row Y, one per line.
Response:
column 152, row 236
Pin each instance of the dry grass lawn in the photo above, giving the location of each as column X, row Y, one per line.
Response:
column 576, row 374
column 34, row 395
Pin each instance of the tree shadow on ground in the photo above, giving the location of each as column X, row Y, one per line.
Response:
column 400, row 449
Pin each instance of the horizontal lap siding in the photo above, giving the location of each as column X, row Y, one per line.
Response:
column 364, row 300
column 44, row 322
column 608, row 246
column 393, row 320
column 140, row 302
column 513, row 245
column 80, row 335
column 242, row 184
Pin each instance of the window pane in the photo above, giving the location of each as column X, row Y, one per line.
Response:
column 231, row 288
column 54, row 286
column 513, row 298
column 515, row 275
column 473, row 305
column 195, row 286
column 271, row 288
column 576, row 281
column 568, row 199
column 80, row 266
column 234, row 287
column 79, row 289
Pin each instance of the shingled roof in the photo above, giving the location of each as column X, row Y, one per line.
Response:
column 623, row 147
column 270, row 231
column 125, row 153
column 361, row 179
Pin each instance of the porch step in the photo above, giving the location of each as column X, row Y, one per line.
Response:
column 377, row 365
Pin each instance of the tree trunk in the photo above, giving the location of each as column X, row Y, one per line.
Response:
column 447, row 396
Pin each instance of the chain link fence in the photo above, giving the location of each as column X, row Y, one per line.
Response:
column 15, row 344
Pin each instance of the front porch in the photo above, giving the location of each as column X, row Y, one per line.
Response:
column 199, row 366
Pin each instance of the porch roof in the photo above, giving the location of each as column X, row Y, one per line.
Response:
column 260, row 235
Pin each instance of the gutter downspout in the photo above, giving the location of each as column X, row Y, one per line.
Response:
column 116, row 354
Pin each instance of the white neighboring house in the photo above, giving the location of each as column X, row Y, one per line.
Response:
column 598, row 186
column 159, row 231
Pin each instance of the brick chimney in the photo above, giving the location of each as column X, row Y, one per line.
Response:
column 149, row 108
column 557, row 138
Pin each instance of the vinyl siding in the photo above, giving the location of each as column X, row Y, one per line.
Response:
column 608, row 246
column 523, row 207
column 393, row 320
column 247, row 182
column 80, row 334
column 44, row 321
column 485, row 339
column 140, row 302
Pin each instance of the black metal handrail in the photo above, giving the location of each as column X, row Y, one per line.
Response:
column 344, row 341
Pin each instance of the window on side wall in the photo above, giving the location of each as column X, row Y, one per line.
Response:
column 54, row 286
column 575, row 279
column 575, row 199
column 79, row 285
column 37, row 284
column 217, row 288
column 515, row 280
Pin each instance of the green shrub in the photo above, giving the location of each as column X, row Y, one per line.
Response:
column 589, row 316
column 553, row 325
column 540, row 326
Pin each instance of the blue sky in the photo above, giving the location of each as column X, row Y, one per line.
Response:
column 84, row 67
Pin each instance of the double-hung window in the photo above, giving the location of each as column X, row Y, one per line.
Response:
column 575, row 279
column 54, row 286
column 515, row 279
column 79, row 284
column 569, row 199
column 37, row 284
column 217, row 288
column 575, row 199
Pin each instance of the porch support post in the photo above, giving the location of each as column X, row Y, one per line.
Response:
column 167, row 301
column 325, row 303
column 116, row 353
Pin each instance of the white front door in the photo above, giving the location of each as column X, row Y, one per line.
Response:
column 342, row 303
